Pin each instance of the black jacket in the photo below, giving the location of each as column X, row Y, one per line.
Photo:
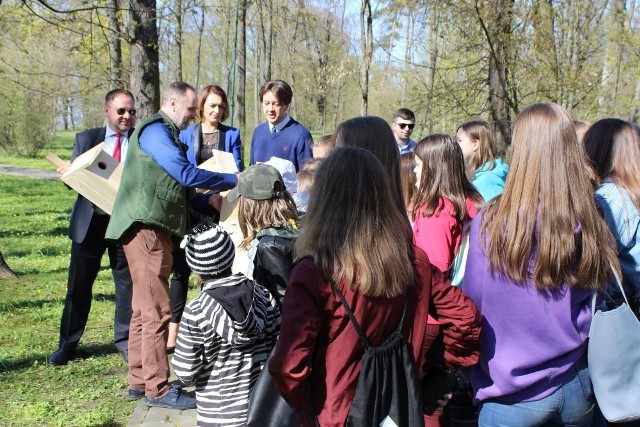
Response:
column 272, row 263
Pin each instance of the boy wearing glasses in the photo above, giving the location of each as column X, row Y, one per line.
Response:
column 403, row 122
column 87, row 229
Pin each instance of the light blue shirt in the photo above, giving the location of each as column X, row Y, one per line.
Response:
column 623, row 219
column 280, row 125
column 110, row 143
column 408, row 147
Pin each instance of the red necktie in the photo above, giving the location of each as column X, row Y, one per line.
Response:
column 117, row 151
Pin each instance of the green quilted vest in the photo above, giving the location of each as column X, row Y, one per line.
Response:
column 147, row 194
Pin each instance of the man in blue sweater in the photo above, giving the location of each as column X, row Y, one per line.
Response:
column 280, row 136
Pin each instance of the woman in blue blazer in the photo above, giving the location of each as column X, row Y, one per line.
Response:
column 201, row 138
column 210, row 133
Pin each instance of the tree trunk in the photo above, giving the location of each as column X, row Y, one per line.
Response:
column 392, row 35
column 408, row 45
column 5, row 270
column 115, row 46
column 199, row 46
column 496, row 19
column 546, row 51
column 323, row 68
column 178, row 41
column 266, row 34
column 366, row 36
column 634, row 117
column 610, row 80
column 433, row 62
column 241, row 75
column 65, row 113
column 145, row 73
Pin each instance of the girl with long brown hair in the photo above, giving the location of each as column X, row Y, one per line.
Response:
column 536, row 254
column 374, row 135
column 356, row 235
column 444, row 201
column 613, row 147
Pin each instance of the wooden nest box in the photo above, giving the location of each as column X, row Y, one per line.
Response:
column 95, row 175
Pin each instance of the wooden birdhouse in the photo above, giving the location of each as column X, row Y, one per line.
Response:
column 95, row 175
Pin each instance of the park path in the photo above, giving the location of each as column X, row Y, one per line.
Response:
column 148, row 416
column 28, row 172
column 143, row 415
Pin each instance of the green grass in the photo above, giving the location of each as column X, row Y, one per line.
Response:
column 89, row 390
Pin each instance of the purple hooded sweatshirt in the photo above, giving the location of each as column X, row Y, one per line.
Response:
column 530, row 339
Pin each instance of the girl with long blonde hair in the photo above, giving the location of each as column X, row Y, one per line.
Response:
column 536, row 254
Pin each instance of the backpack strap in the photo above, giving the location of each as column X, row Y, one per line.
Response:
column 355, row 323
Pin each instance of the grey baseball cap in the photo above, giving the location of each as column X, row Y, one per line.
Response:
column 258, row 182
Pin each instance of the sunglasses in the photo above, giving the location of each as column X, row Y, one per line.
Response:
column 404, row 125
column 121, row 111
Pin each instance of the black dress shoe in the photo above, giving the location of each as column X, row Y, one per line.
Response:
column 61, row 357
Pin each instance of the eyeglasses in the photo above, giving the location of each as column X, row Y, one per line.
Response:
column 404, row 125
column 121, row 111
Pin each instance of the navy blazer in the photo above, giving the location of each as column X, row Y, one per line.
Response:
column 83, row 209
column 192, row 138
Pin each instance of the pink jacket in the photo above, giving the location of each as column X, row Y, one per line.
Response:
column 439, row 235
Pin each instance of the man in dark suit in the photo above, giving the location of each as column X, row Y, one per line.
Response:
column 88, row 245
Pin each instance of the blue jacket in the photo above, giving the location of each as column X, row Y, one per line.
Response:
column 192, row 138
column 490, row 182
column 623, row 219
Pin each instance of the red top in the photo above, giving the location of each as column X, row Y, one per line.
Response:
column 439, row 235
column 317, row 360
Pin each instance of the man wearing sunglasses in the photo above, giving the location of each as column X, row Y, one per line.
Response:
column 87, row 230
column 402, row 125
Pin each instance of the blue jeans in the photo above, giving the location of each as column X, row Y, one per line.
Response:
column 572, row 405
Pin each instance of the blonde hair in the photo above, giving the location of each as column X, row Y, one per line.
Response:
column 547, row 213
column 256, row 215
column 357, row 233
column 306, row 178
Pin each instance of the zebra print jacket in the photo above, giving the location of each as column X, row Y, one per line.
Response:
column 225, row 336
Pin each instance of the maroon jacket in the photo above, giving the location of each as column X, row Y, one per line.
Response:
column 317, row 359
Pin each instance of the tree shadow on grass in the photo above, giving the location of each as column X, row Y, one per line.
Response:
column 56, row 231
column 83, row 352
column 17, row 305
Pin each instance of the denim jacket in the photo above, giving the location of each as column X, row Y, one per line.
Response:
column 623, row 219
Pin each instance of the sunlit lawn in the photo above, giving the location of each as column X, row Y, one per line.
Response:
column 89, row 390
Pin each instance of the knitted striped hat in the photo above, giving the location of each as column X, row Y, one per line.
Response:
column 208, row 249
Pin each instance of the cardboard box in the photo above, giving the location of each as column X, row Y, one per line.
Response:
column 95, row 175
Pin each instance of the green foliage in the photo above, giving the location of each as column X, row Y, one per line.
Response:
column 61, row 145
column 25, row 121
